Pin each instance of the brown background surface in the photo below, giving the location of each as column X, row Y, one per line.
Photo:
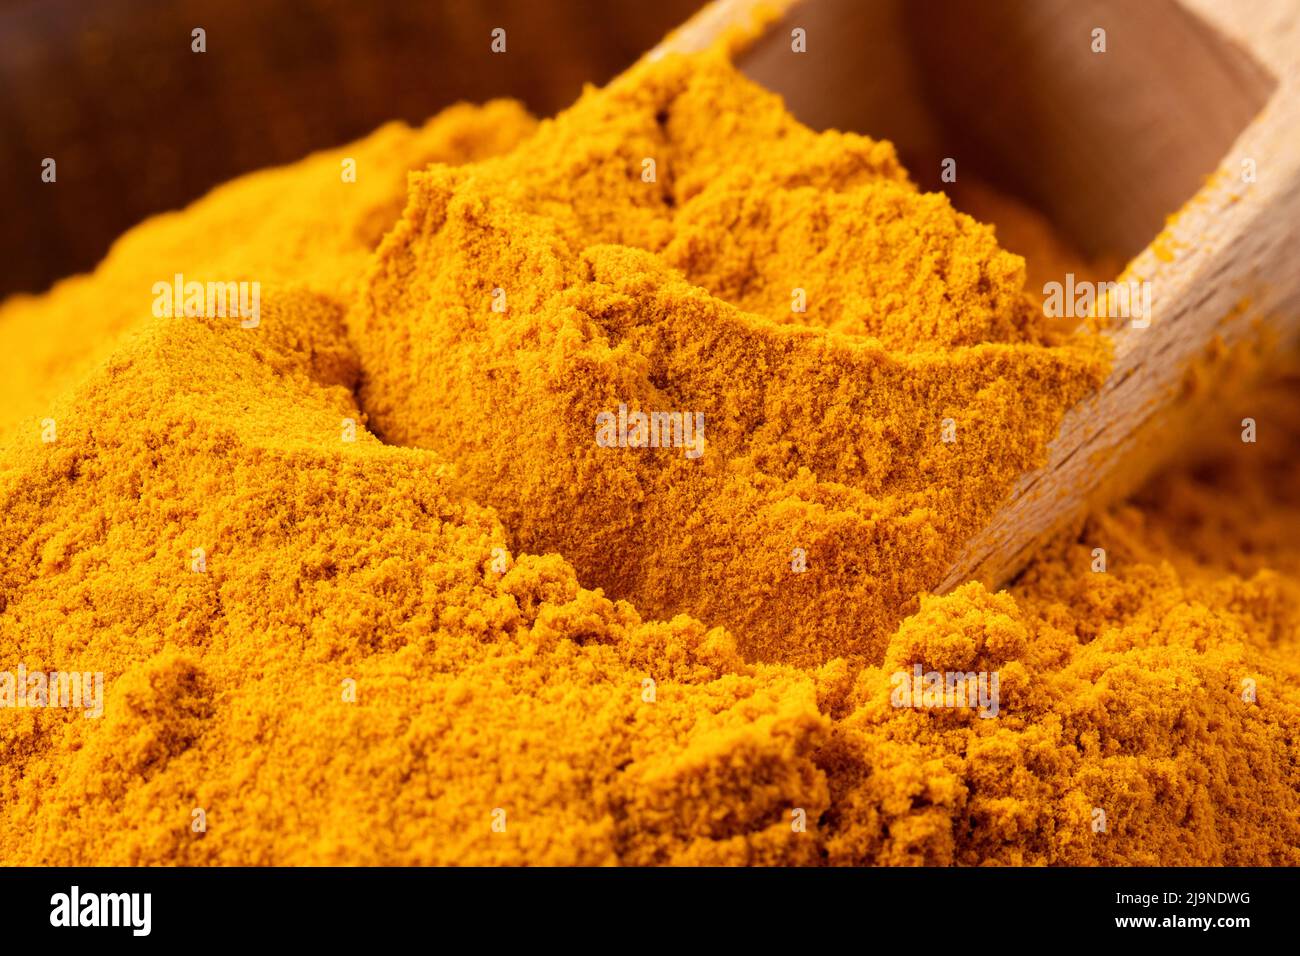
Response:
column 139, row 124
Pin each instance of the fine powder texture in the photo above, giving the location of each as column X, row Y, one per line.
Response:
column 370, row 665
column 824, row 437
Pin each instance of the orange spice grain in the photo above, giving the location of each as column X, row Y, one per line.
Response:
column 863, row 437
column 369, row 666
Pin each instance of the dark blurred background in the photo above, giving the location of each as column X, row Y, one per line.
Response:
column 138, row 123
column 1104, row 147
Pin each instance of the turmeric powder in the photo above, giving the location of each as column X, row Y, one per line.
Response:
column 301, row 226
column 323, row 647
column 849, row 447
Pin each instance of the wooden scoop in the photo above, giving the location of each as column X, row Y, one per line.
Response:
column 1192, row 105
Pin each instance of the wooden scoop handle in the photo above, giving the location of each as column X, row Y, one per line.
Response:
column 743, row 21
column 1226, row 269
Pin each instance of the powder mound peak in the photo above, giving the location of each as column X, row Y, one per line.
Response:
column 677, row 244
column 339, row 657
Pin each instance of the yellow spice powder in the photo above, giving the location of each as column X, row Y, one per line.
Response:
column 848, row 449
column 364, row 664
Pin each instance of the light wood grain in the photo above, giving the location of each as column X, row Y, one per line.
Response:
column 1234, row 273
column 741, row 20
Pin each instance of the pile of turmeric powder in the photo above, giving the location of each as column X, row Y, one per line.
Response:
column 870, row 374
column 365, row 588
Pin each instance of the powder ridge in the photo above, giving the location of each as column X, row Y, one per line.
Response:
column 523, row 688
column 824, row 429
